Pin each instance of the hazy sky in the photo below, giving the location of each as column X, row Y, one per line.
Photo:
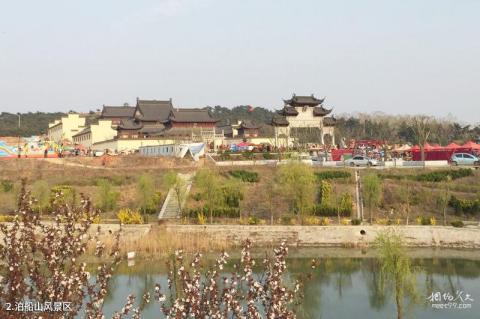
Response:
column 418, row 56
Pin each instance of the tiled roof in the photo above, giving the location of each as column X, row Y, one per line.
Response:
column 153, row 110
column 152, row 129
column 117, row 111
column 288, row 110
column 279, row 121
column 129, row 124
column 249, row 124
column 321, row 111
column 191, row 115
column 299, row 100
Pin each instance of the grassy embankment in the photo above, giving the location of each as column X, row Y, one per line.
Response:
column 258, row 199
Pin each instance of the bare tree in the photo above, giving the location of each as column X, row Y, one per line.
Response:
column 421, row 125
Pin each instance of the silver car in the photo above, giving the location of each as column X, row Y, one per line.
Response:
column 359, row 160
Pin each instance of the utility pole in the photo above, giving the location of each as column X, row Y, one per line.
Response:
column 18, row 143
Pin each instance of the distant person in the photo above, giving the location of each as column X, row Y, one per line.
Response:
column 45, row 153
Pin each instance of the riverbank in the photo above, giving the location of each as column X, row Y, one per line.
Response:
column 151, row 240
column 155, row 240
column 336, row 236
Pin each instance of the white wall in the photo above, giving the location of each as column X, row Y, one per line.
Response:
column 120, row 145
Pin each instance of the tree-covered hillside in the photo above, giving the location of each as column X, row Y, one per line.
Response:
column 393, row 128
column 242, row 112
column 30, row 123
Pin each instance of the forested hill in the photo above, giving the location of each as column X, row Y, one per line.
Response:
column 395, row 129
column 30, row 123
column 242, row 112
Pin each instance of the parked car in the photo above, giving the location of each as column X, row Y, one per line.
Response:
column 359, row 160
column 464, row 159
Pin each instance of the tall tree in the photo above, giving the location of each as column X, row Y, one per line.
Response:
column 297, row 181
column 396, row 269
column 209, row 183
column 421, row 125
column 443, row 198
column 145, row 192
column 371, row 189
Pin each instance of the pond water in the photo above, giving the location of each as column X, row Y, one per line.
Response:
column 342, row 287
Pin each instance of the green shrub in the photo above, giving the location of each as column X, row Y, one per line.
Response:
column 346, row 203
column 245, row 176
column 330, row 211
column 232, row 197
column 441, row 176
column 464, row 206
column 425, row 220
column 253, row 220
column 267, row 156
column 332, row 174
column 356, row 221
column 324, row 192
column 69, row 194
column 435, row 176
column 457, row 223
column 106, row 197
column 226, row 212
column 6, row 185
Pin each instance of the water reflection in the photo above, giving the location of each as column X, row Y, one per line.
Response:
column 336, row 288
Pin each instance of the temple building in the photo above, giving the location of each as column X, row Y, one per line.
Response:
column 149, row 119
column 117, row 113
column 248, row 129
column 240, row 129
column 153, row 118
column 304, row 117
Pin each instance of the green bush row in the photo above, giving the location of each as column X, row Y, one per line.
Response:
column 228, row 212
column 331, row 211
column 332, row 174
column 435, row 176
column 245, row 176
column 464, row 206
column 441, row 176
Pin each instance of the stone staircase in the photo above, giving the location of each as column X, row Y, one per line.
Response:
column 170, row 207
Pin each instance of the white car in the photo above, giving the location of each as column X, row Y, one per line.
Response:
column 359, row 160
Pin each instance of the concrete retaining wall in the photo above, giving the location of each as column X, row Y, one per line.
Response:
column 337, row 236
column 310, row 236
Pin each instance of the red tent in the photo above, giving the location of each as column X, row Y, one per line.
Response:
column 471, row 145
column 432, row 153
column 428, row 147
column 452, row 146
